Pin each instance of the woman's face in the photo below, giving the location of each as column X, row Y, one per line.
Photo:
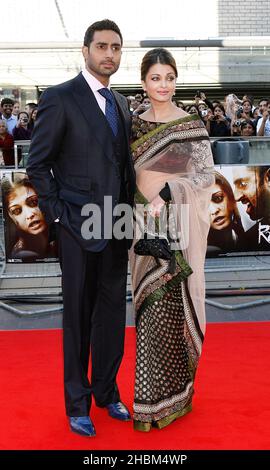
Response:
column 218, row 112
column 16, row 109
column 247, row 130
column 246, row 107
column 34, row 114
column 160, row 82
column 23, row 119
column 220, row 209
column 202, row 106
column 24, row 211
column 256, row 113
column 3, row 127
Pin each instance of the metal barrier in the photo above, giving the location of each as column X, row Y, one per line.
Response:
column 241, row 150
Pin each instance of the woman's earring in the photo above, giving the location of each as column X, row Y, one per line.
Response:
column 144, row 93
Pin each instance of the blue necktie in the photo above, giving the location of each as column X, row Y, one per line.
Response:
column 110, row 109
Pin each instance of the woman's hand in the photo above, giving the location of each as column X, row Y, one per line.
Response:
column 155, row 206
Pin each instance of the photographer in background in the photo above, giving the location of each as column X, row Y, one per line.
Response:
column 218, row 125
column 263, row 124
column 201, row 100
column 242, row 119
column 245, row 110
column 145, row 104
column 205, row 115
column 21, row 131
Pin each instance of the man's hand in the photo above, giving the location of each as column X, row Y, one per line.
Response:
column 265, row 115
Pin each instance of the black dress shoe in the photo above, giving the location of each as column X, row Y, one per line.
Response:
column 82, row 425
column 118, row 411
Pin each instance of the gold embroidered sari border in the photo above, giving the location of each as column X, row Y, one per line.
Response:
column 162, row 127
column 163, row 422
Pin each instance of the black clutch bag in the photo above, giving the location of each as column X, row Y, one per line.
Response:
column 157, row 246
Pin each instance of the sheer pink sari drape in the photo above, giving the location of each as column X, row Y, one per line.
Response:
column 187, row 165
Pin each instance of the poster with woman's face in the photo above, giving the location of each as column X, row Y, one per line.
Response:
column 28, row 238
column 239, row 211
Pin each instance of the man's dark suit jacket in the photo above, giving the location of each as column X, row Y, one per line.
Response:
column 73, row 138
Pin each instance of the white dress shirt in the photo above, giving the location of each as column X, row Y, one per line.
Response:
column 95, row 85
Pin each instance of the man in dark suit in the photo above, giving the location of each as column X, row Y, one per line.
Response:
column 82, row 135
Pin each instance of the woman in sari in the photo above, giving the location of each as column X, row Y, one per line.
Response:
column 173, row 163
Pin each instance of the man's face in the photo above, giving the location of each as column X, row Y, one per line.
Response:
column 102, row 57
column 262, row 106
column 7, row 110
column 252, row 191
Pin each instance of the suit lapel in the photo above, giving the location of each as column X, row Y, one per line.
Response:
column 93, row 114
column 125, row 119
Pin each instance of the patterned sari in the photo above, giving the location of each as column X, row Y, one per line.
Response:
column 170, row 315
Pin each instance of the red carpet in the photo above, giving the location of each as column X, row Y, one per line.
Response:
column 231, row 402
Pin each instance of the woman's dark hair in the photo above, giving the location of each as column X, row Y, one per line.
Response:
column 193, row 105
column 250, row 122
column 102, row 25
column 23, row 112
column 220, row 106
column 157, row 56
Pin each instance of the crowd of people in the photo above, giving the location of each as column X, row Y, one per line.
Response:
column 15, row 124
column 230, row 117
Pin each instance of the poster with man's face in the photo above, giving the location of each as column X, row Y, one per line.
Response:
column 239, row 211
column 28, row 238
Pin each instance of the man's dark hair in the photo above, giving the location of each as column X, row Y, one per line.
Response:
column 263, row 99
column 7, row 101
column 32, row 105
column 260, row 172
column 102, row 25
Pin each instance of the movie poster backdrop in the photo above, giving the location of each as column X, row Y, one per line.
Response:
column 239, row 214
column 28, row 238
column 239, row 210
